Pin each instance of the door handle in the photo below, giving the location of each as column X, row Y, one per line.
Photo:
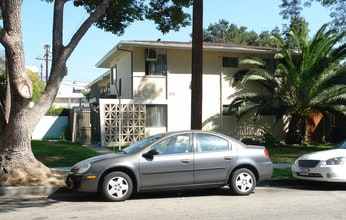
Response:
column 185, row 161
column 228, row 157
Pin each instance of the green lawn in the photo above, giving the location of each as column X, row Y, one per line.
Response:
column 288, row 154
column 60, row 153
column 65, row 154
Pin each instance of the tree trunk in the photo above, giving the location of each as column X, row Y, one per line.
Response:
column 22, row 166
column 296, row 130
column 17, row 120
column 314, row 128
column 24, row 169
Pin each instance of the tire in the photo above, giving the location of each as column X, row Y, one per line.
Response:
column 117, row 186
column 242, row 182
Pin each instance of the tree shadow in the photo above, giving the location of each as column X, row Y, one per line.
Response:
column 9, row 203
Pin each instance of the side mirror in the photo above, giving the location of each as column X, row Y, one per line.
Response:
column 150, row 154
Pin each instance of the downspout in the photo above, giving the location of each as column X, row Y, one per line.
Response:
column 221, row 95
column 131, row 68
column 119, row 92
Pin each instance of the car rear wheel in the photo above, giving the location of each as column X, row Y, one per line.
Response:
column 242, row 182
column 117, row 186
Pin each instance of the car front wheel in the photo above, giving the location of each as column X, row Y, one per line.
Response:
column 117, row 186
column 242, row 182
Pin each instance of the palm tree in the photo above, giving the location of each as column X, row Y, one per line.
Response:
column 309, row 79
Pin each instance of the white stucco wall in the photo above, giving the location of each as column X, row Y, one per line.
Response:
column 50, row 127
column 174, row 90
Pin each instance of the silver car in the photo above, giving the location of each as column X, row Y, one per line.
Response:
column 327, row 165
column 174, row 161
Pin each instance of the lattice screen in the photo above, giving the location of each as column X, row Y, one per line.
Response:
column 131, row 118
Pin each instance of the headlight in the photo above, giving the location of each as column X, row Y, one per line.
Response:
column 335, row 161
column 84, row 168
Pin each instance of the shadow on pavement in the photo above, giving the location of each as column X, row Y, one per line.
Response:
column 68, row 195
column 303, row 184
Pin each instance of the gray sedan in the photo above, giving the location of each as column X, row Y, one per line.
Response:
column 174, row 161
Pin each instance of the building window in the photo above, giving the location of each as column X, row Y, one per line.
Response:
column 114, row 75
column 157, row 66
column 156, row 116
column 230, row 62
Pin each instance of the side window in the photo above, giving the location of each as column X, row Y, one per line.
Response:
column 207, row 143
column 174, row 145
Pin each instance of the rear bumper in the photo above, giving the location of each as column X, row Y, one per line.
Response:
column 265, row 171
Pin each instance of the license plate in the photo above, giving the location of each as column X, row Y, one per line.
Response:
column 304, row 172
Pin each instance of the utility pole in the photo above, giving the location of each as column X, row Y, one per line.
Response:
column 197, row 65
column 41, row 71
column 46, row 58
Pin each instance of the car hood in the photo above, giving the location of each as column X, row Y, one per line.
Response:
column 324, row 155
column 99, row 158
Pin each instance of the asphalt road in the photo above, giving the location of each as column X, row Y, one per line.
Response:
column 271, row 200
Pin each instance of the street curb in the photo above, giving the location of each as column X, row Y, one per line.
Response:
column 48, row 190
column 28, row 190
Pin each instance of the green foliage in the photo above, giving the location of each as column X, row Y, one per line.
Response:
column 308, row 79
column 38, row 85
column 269, row 140
column 52, row 111
column 223, row 32
column 291, row 9
column 167, row 14
column 282, row 173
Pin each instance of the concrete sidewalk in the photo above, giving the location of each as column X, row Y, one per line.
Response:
column 99, row 149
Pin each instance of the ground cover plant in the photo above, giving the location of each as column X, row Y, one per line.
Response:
column 53, row 153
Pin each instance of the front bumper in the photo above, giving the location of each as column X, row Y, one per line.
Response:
column 333, row 173
column 81, row 182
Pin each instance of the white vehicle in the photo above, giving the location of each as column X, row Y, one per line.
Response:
column 327, row 165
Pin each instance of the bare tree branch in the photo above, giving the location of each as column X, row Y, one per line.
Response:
column 85, row 26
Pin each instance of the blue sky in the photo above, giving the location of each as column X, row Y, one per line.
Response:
column 37, row 18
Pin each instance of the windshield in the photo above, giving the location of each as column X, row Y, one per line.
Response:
column 342, row 145
column 141, row 144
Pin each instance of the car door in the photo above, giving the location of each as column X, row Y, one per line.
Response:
column 213, row 159
column 173, row 166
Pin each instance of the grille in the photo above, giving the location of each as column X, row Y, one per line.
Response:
column 311, row 174
column 308, row 163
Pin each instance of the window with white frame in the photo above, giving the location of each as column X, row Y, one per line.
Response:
column 156, row 115
column 157, row 66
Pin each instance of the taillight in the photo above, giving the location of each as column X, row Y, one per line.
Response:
column 266, row 153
